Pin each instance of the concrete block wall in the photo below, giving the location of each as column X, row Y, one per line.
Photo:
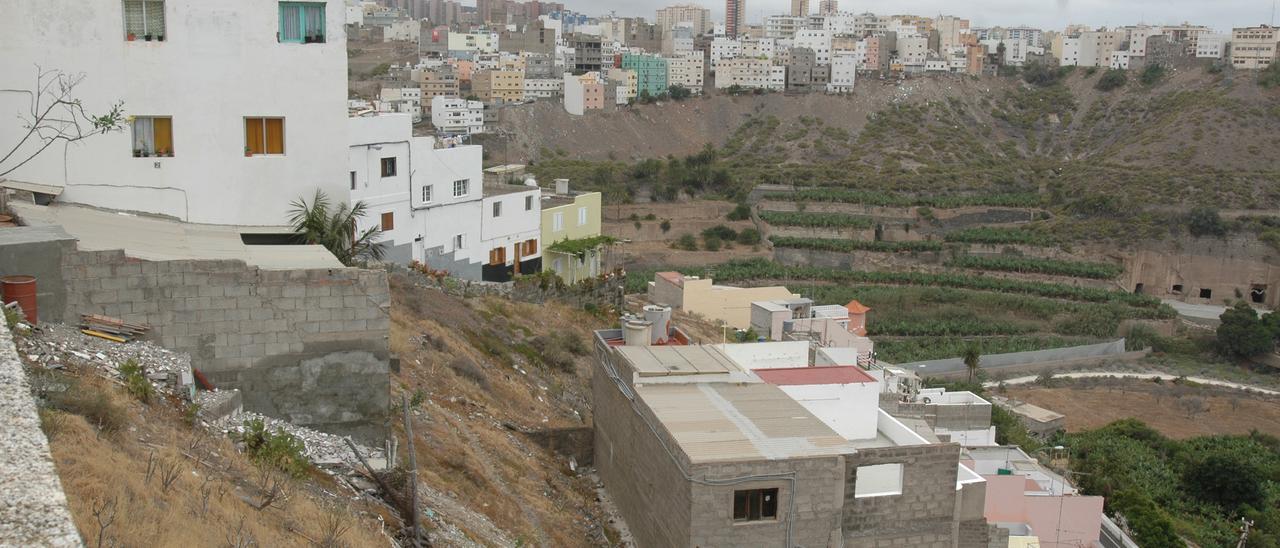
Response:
column 923, row 515
column 814, row 519
column 643, row 480
column 307, row 346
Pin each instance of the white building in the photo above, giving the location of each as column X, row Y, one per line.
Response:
column 686, row 69
column 844, row 71
column 1138, row 39
column 402, row 99
column 477, row 42
column 1070, row 52
column 723, row 48
column 1254, row 47
column 817, row 40
column 542, row 88
column 759, row 48
column 1212, row 45
column 406, row 30
column 455, row 115
column 1120, row 60
column 913, row 50
column 433, row 206
column 219, row 150
column 783, row 27
column 751, row 73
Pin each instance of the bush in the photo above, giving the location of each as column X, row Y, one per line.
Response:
column 1242, row 334
column 749, row 236
column 1151, row 75
column 1111, row 80
column 686, row 242
column 1205, row 221
column 827, row 244
column 720, row 232
column 665, row 225
column 93, row 402
column 1151, row 527
column 1270, row 76
column 135, row 381
column 1029, row 265
column 815, row 220
column 468, row 369
column 711, row 243
column 280, row 450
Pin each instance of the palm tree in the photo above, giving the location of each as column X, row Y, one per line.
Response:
column 320, row 223
column 971, row 361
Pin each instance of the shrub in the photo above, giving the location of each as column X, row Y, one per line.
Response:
column 468, row 369
column 93, row 402
column 135, row 381
column 1001, row 236
column 665, row 225
column 711, row 243
column 826, row 244
column 1242, row 334
column 1205, row 221
column 1151, row 527
column 815, row 220
column 1270, row 76
column 1151, row 75
column 1111, row 80
column 1029, row 265
column 686, row 242
column 749, row 236
column 280, row 450
column 720, row 232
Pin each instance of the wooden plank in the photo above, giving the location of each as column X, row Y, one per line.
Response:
column 102, row 335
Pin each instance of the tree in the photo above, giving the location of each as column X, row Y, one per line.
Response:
column 1205, row 221
column 679, row 92
column 1151, row 75
column 972, row 362
column 1040, row 74
column 1241, row 334
column 320, row 223
column 1000, row 49
column 1227, row 478
column 57, row 115
column 1111, row 80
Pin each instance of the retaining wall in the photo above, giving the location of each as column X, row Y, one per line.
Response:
column 33, row 507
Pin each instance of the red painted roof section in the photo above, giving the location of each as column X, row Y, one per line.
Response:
column 674, row 278
column 841, row 374
column 856, row 307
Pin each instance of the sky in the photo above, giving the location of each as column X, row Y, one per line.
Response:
column 1046, row 14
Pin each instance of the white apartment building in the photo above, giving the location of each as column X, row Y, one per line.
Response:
column 406, row 30
column 844, row 71
column 402, row 99
column 723, row 48
column 951, row 31
column 784, row 27
column 1254, row 47
column 759, row 48
column 433, row 207
column 1212, row 45
column 1120, row 59
column 751, row 73
column 1138, row 39
column 1096, row 47
column 476, row 42
column 870, row 23
column 913, row 50
column 240, row 163
column 817, row 40
column 686, row 69
column 542, row 88
column 1070, row 55
column 454, row 115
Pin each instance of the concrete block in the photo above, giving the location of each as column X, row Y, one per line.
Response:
column 211, row 291
column 319, row 291
column 253, row 351
column 315, row 315
column 295, row 291
column 237, row 291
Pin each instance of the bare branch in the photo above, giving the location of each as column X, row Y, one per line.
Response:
column 56, row 115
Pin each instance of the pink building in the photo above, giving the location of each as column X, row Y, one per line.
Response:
column 1021, row 491
column 593, row 95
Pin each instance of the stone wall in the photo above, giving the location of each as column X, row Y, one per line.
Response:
column 306, row 346
column 923, row 515
column 34, row 508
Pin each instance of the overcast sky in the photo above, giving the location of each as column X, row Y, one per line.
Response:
column 1047, row 14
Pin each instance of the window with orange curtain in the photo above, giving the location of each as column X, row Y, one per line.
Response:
column 152, row 136
column 264, row 135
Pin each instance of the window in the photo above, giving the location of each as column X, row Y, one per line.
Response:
column 582, row 216
column 878, row 480
column 353, row 180
column 152, row 136
column 498, row 256
column 1206, row 293
column 1177, row 288
column 388, row 167
column 388, row 221
column 529, row 247
column 528, row 203
column 497, row 209
column 755, row 504
column 557, row 221
column 458, row 242
column 461, row 188
column 263, row 136
column 144, row 20
column 426, row 194
column 301, row 23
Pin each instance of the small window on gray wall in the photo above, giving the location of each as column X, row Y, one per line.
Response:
column 755, row 504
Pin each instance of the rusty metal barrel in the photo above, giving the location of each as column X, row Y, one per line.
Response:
column 21, row 289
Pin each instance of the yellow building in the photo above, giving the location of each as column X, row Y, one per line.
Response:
column 717, row 303
column 497, row 87
column 572, row 220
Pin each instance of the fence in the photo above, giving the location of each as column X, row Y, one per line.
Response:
column 1028, row 361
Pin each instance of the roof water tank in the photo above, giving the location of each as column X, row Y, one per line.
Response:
column 636, row 332
column 660, row 318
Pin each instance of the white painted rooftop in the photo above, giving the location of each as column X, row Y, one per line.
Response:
column 159, row 239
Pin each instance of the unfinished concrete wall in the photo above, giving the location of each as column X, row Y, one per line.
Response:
column 808, row 509
column 923, row 515
column 307, row 346
column 38, row 251
column 642, row 478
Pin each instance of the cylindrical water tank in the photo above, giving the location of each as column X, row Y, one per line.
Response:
column 660, row 317
column 636, row 332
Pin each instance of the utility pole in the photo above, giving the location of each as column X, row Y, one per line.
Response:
column 1244, row 532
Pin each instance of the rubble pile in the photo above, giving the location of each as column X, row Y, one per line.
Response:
column 325, row 450
column 55, row 346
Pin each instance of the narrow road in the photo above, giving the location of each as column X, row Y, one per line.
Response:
column 1141, row 376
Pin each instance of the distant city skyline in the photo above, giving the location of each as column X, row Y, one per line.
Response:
column 1046, row 14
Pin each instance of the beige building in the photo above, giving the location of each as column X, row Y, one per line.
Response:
column 800, row 8
column 1254, row 47
column 686, row 69
column 698, row 16
column 731, row 305
column 438, row 83
column 497, row 87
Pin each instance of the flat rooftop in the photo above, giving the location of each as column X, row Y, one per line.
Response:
column 805, row 376
column 501, row 190
column 1033, row 412
column 727, row 422
column 662, row 361
column 159, row 239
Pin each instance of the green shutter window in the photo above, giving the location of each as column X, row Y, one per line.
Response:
column 302, row 23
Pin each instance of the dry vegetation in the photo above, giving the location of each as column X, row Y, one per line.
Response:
column 1177, row 411
column 137, row 475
